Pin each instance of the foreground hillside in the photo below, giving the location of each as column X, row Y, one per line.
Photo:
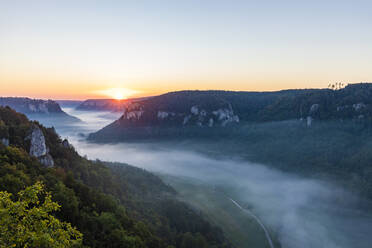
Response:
column 112, row 205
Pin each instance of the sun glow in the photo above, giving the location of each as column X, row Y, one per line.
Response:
column 118, row 93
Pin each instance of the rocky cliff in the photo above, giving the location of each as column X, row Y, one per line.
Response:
column 38, row 147
column 31, row 106
column 197, row 115
column 37, row 109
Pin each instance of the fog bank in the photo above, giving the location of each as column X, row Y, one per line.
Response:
column 304, row 213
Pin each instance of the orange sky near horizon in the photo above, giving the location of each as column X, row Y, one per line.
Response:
column 81, row 90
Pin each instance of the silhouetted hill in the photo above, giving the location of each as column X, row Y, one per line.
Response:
column 106, row 104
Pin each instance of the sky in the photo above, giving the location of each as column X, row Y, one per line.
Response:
column 93, row 49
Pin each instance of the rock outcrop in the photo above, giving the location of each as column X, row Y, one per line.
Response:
column 38, row 147
column 162, row 114
column 358, row 106
column 31, row 106
column 226, row 116
column 309, row 121
column 37, row 142
column 312, row 112
column 43, row 111
column 4, row 141
column 46, row 160
column 140, row 115
column 66, row 144
column 314, row 108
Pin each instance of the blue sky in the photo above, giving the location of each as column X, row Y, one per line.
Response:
column 156, row 46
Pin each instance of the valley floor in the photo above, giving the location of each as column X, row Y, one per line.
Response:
column 242, row 230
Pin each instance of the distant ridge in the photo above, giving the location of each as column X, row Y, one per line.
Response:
column 112, row 105
column 36, row 108
column 69, row 103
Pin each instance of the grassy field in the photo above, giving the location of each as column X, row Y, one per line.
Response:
column 240, row 229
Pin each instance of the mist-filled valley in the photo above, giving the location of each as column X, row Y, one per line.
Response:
column 299, row 210
column 186, row 124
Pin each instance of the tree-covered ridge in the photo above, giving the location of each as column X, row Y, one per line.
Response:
column 352, row 102
column 346, row 103
column 112, row 206
column 178, row 113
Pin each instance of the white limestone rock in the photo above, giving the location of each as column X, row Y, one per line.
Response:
column 46, row 160
column 4, row 141
column 359, row 106
column 309, row 121
column 162, row 115
column 225, row 116
column 314, row 108
column 32, row 108
column 38, row 147
column 43, row 108
column 210, row 122
column 134, row 114
column 186, row 119
column 194, row 110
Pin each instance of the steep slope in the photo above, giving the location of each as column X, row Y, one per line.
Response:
column 322, row 133
column 352, row 102
column 113, row 206
column 175, row 112
column 206, row 113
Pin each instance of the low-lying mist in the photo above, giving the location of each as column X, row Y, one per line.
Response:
column 302, row 212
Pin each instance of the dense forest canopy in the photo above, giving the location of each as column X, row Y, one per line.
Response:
column 112, row 205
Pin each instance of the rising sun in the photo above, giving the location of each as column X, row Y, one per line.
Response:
column 118, row 93
column 119, row 96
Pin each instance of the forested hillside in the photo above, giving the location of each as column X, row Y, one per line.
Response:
column 352, row 102
column 111, row 205
column 178, row 113
column 323, row 133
